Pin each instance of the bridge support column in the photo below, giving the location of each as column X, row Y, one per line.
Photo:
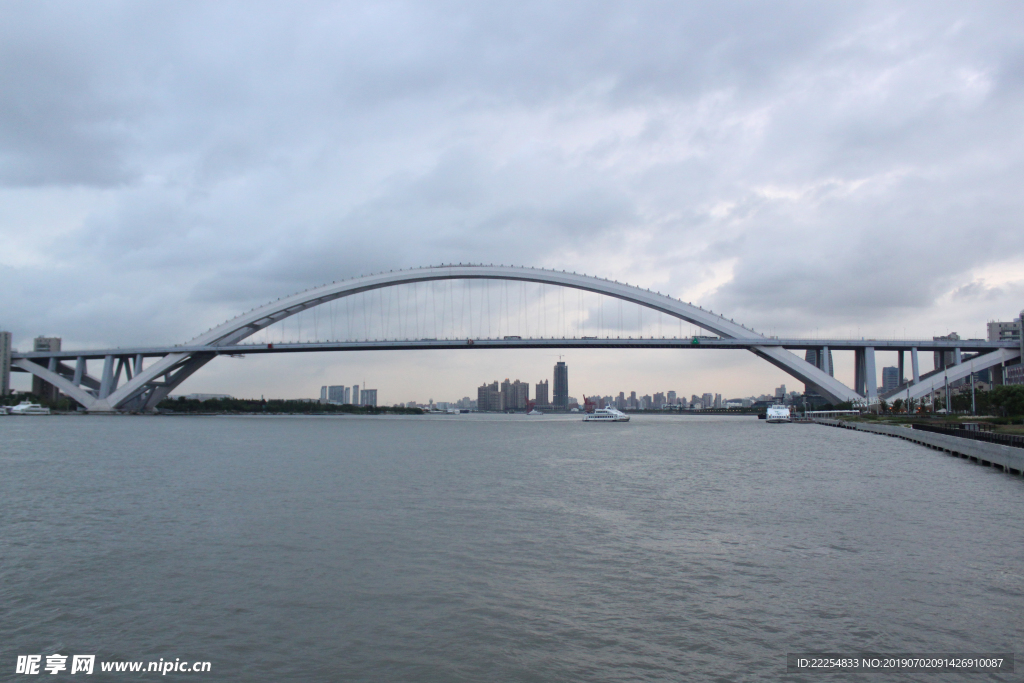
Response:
column 824, row 362
column 79, row 371
column 899, row 363
column 859, row 384
column 914, row 366
column 870, row 374
column 957, row 357
column 107, row 378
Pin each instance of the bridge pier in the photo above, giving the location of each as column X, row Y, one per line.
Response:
column 915, row 367
column 859, row 384
column 107, row 378
column 870, row 374
column 899, row 364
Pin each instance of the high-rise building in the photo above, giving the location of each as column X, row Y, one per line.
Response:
column 718, row 400
column 707, row 401
column 508, row 400
column 890, row 378
column 1014, row 374
column 672, row 400
column 542, row 394
column 521, row 391
column 658, row 401
column 780, row 393
column 40, row 388
column 323, row 394
column 336, row 394
column 560, row 394
column 514, row 395
column 5, row 363
column 355, row 395
column 620, row 402
column 1003, row 331
column 368, row 397
column 488, row 397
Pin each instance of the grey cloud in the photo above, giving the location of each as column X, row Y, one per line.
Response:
column 851, row 160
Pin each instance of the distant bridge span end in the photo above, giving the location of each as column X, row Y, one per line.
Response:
column 145, row 387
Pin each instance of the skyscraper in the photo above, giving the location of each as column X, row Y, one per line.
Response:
column 45, row 390
column 560, row 398
column 368, row 397
column 355, row 395
column 336, row 394
column 890, row 378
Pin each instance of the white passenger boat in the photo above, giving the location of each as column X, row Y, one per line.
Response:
column 26, row 408
column 778, row 413
column 535, row 412
column 608, row 414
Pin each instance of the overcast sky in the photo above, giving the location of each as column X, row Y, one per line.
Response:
column 806, row 168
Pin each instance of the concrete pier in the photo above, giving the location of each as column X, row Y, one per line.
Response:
column 1005, row 458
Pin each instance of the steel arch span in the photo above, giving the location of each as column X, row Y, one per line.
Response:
column 145, row 388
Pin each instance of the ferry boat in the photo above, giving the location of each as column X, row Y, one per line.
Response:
column 535, row 412
column 608, row 414
column 26, row 408
column 778, row 413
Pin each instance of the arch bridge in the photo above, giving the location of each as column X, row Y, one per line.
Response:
column 137, row 379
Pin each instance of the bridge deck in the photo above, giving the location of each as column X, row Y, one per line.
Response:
column 965, row 345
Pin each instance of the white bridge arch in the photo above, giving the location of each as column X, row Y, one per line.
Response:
column 145, row 388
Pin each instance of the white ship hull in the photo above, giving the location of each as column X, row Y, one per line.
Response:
column 29, row 409
column 606, row 415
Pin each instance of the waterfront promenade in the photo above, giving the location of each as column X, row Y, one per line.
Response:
column 1005, row 458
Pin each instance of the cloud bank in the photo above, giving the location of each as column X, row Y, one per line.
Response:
column 803, row 167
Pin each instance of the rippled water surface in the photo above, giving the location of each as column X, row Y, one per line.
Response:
column 496, row 548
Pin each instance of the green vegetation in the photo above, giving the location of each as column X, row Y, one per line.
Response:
column 275, row 406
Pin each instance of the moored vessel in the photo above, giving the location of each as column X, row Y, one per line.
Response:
column 26, row 408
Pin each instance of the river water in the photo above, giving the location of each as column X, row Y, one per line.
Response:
column 496, row 548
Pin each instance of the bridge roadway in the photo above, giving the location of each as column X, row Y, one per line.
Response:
column 964, row 345
column 147, row 383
